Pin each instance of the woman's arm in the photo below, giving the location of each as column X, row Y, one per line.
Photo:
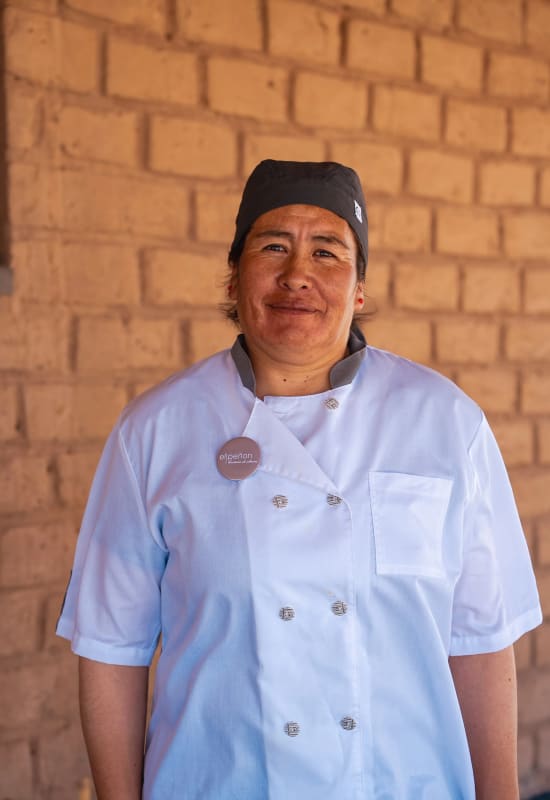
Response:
column 113, row 710
column 486, row 688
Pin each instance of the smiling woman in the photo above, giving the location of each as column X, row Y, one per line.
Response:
column 296, row 291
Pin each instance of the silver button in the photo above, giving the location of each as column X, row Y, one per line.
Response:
column 339, row 607
column 348, row 723
column 280, row 501
column 333, row 500
column 332, row 403
column 286, row 613
column 292, row 729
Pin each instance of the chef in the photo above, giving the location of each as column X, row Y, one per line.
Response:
column 323, row 538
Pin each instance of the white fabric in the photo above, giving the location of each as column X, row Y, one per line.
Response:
column 425, row 549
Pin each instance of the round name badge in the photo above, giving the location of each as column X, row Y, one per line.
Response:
column 238, row 458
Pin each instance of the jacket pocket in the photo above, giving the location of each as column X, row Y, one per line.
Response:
column 408, row 513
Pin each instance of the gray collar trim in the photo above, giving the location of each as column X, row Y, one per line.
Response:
column 341, row 373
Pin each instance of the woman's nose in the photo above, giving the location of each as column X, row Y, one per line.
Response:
column 296, row 272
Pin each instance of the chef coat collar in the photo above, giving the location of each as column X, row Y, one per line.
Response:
column 342, row 373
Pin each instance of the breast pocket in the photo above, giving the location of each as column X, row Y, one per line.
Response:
column 408, row 513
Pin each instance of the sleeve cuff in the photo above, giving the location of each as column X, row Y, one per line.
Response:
column 120, row 655
column 475, row 645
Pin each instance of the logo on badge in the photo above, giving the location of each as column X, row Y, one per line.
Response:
column 238, row 458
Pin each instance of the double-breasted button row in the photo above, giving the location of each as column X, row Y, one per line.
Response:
column 293, row 728
column 339, row 608
column 281, row 501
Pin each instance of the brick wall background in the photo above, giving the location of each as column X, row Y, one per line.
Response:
column 131, row 126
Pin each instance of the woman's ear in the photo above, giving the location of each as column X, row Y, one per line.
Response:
column 231, row 286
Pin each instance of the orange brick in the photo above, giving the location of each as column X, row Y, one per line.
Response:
column 476, row 126
column 467, row 341
column 425, row 287
column 323, row 101
column 378, row 283
column 526, row 754
column 29, row 41
column 62, row 759
column 17, row 769
column 544, row 733
column 76, row 470
column 128, row 205
column 95, row 409
column 407, row 337
column 441, row 176
column 257, row 147
column 102, row 344
column 515, row 439
column 193, row 147
column 537, row 291
column 216, row 212
column 27, row 485
column 247, row 89
column 492, row 19
column 147, row 73
column 533, row 498
column 302, row 31
column 377, row 213
column 527, row 235
column 491, row 289
column 101, row 274
column 531, row 132
column 494, row 388
column 404, row 112
column 528, row 340
column 24, row 118
column 154, row 343
column 467, row 230
column 34, row 195
column 174, row 277
column 9, row 413
column 47, row 338
column 545, row 187
column 147, row 14
column 406, row 228
column 544, row 441
column 374, row 6
column 518, row 76
column 24, row 606
column 48, row 411
column 451, row 65
column 523, row 654
column 426, row 12
column 12, row 342
column 381, row 49
column 535, row 392
column 538, row 25
column 30, row 687
column 79, row 58
column 219, row 22
column 379, row 166
column 37, row 270
column 544, row 591
column 99, row 136
column 507, row 183
column 208, row 336
column 543, row 542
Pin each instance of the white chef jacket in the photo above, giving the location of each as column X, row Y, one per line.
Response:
column 307, row 612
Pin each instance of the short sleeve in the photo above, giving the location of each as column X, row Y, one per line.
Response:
column 496, row 599
column 111, row 611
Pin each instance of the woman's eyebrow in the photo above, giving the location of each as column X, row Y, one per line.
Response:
column 329, row 238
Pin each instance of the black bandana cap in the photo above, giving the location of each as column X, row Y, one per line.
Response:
column 326, row 184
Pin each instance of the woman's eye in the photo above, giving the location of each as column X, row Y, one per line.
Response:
column 275, row 247
column 324, row 253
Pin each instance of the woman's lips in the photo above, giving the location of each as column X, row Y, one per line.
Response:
column 292, row 308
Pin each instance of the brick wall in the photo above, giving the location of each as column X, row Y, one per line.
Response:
column 131, row 126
